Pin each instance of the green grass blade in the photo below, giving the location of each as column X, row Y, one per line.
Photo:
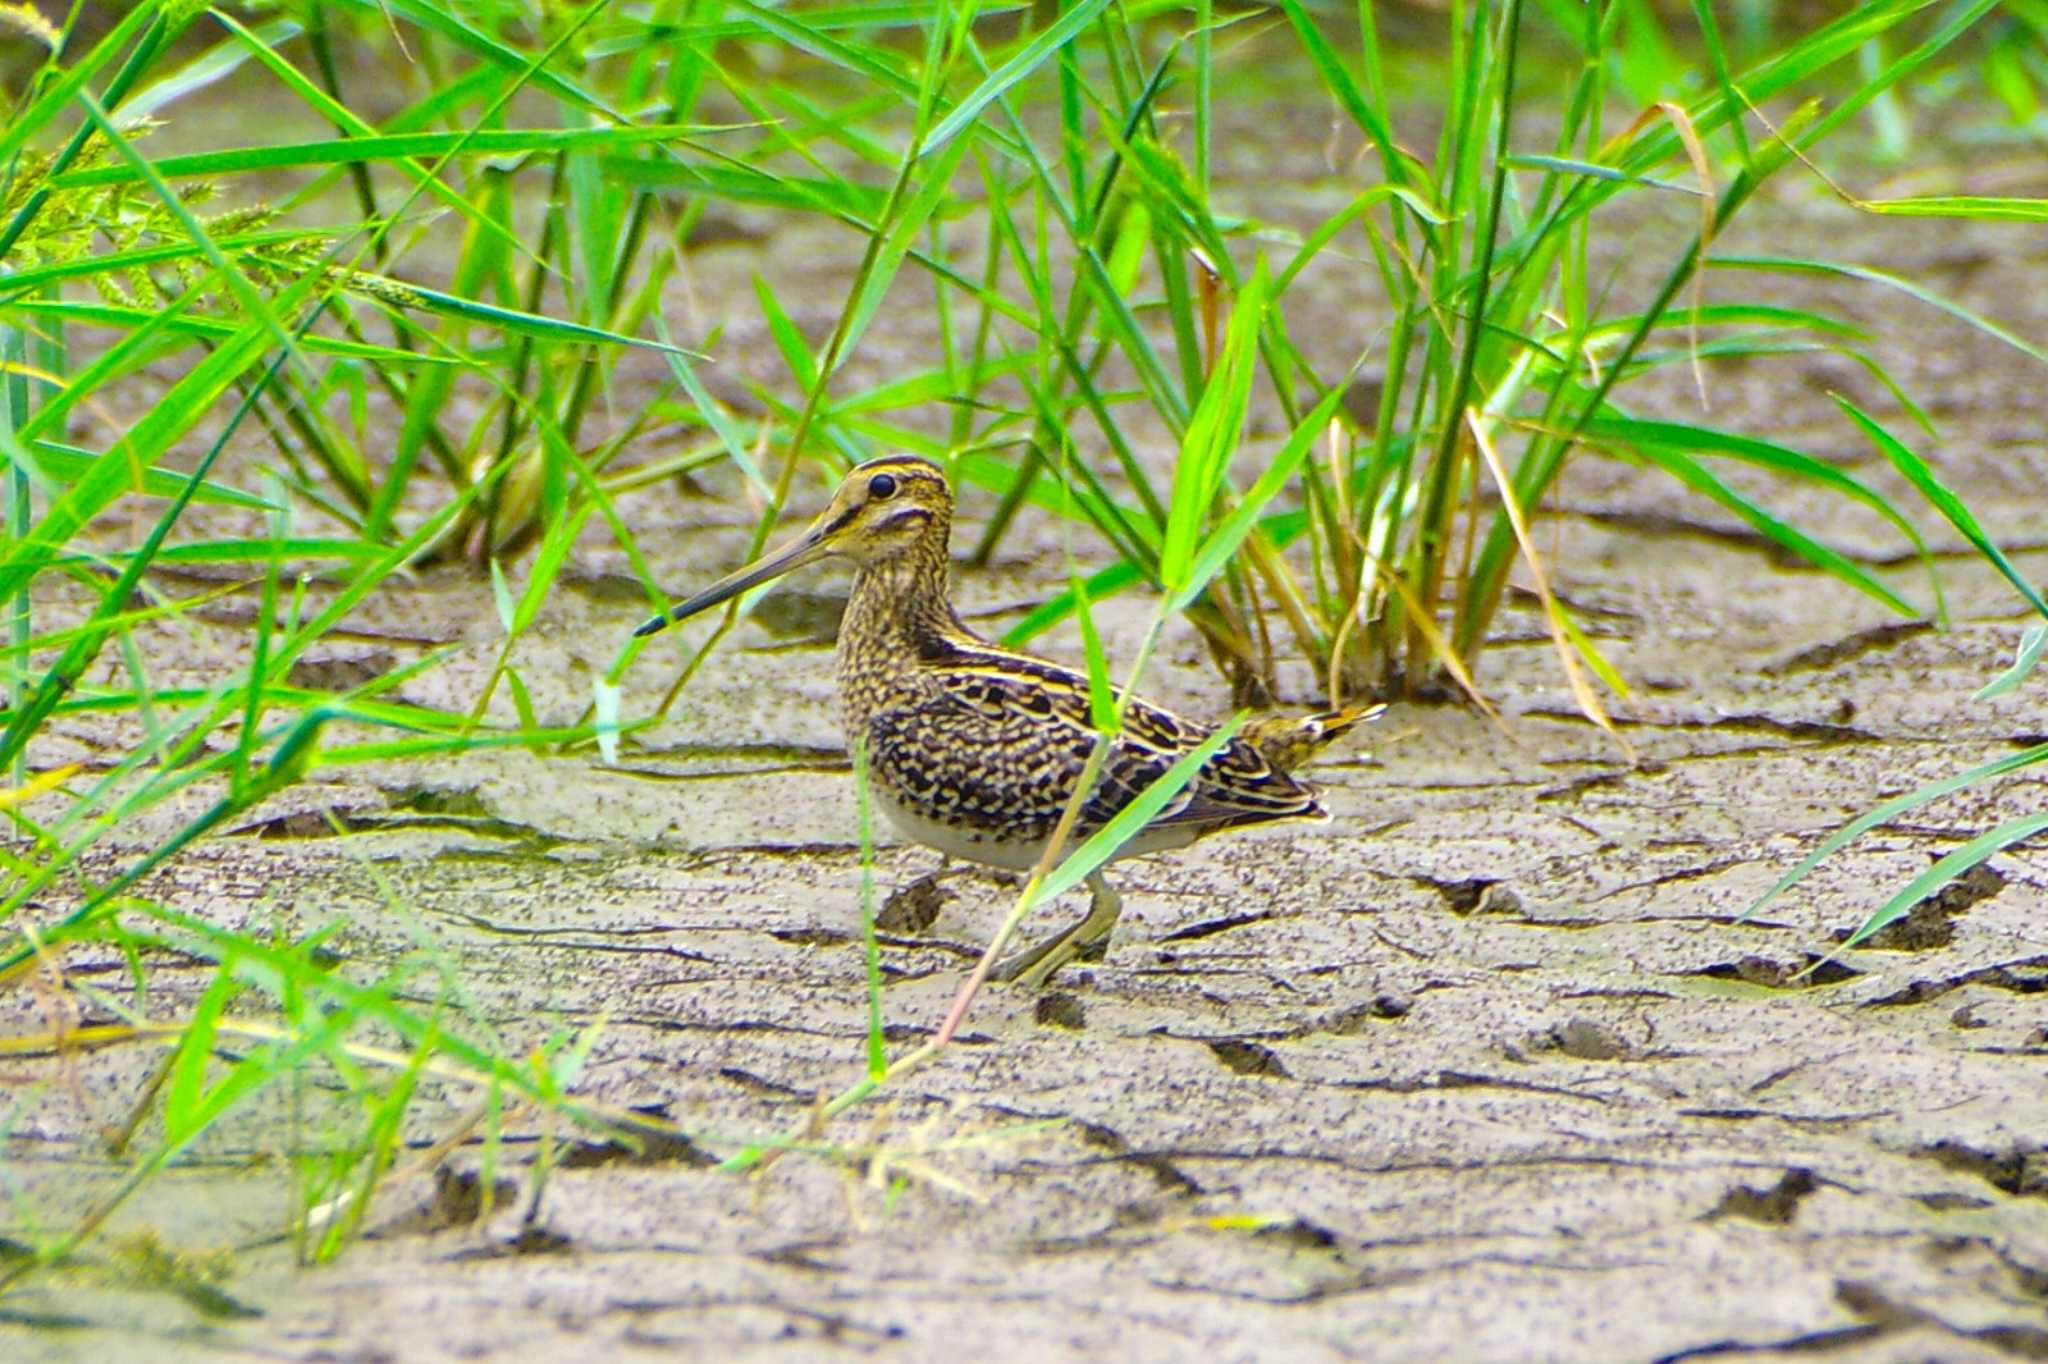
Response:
column 1102, row 705
column 139, row 448
column 1696, row 476
column 1872, row 275
column 1222, row 542
column 1983, row 207
column 1922, row 477
column 1891, row 810
column 750, row 185
column 1097, row 586
column 345, row 120
column 444, row 20
column 1103, row 844
column 23, row 124
column 874, row 63
column 1946, row 869
column 1681, row 437
column 871, row 949
column 1566, row 165
column 383, row 147
column 796, row 352
column 1368, row 115
column 213, row 329
column 1212, row 435
column 402, row 295
column 2032, row 645
column 208, row 68
column 1053, row 37
column 53, row 467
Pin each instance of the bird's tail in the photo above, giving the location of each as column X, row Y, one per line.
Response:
column 1289, row 741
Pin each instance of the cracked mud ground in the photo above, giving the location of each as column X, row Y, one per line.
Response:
column 1484, row 1069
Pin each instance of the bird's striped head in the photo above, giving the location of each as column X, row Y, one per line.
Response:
column 882, row 509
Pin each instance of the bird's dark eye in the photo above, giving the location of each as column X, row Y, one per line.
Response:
column 882, row 486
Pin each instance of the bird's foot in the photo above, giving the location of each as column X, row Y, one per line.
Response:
column 1035, row 967
column 1087, row 940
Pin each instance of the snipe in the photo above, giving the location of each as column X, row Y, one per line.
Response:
column 974, row 749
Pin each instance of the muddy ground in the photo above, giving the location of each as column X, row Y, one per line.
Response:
column 1484, row 1069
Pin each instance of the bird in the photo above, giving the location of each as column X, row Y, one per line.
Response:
column 974, row 749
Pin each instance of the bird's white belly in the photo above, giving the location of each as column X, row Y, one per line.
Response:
column 972, row 845
column 954, row 840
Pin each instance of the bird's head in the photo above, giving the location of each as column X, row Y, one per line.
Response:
column 882, row 509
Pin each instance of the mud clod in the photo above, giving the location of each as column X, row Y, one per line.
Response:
column 528, row 1240
column 1300, row 1234
column 760, row 1084
column 2012, row 1338
column 459, row 1200
column 1834, row 651
column 2016, row 1170
column 1249, row 1058
column 1588, row 1040
column 811, row 937
column 448, row 802
column 1392, row 1004
column 341, row 670
column 2015, row 1339
column 1210, row 927
column 1170, row 1177
column 532, row 1240
column 1058, row 1009
column 2028, row 976
column 1924, row 928
column 654, row 1148
column 1485, row 894
column 1778, row 975
column 299, row 824
column 911, row 909
column 1931, row 923
column 460, row 1197
column 1384, row 1007
column 1869, row 1302
column 1775, row 1206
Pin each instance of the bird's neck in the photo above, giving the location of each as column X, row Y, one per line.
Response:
column 898, row 610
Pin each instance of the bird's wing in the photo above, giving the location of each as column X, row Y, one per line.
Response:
column 989, row 736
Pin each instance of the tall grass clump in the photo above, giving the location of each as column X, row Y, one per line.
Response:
column 1108, row 264
column 154, row 314
column 1505, row 356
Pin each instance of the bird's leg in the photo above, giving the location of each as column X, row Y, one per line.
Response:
column 1035, row 965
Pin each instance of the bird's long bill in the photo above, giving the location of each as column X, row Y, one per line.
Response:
column 798, row 552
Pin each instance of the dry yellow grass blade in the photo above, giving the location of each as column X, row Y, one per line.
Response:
column 1553, row 614
column 41, row 784
column 1702, row 166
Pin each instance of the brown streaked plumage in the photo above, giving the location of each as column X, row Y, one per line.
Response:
column 975, row 749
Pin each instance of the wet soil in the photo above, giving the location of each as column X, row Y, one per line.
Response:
column 1486, row 1068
